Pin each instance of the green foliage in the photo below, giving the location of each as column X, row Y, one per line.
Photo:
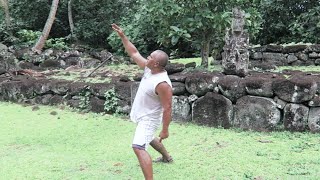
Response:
column 93, row 18
column 306, row 27
column 182, row 26
column 4, row 34
column 84, row 98
column 56, row 43
column 278, row 16
column 111, row 103
column 28, row 37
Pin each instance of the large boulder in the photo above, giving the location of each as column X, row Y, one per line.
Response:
column 294, row 48
column 178, row 77
column 259, row 86
column 99, row 89
column 295, row 117
column 8, row 61
column 314, row 119
column 315, row 101
column 134, row 89
column 172, row 68
column 178, row 88
column 17, row 91
column 201, row 83
column 60, row 87
column 122, row 90
column 123, row 94
column 56, row 100
column 96, row 105
column 256, row 113
column 274, row 48
column 277, row 58
column 75, row 88
column 295, row 90
column 212, row 110
column 232, row 87
column 181, row 109
column 313, row 48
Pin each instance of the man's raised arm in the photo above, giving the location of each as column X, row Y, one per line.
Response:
column 130, row 48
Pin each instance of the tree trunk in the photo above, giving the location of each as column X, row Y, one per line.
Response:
column 5, row 5
column 46, row 30
column 70, row 18
column 205, row 45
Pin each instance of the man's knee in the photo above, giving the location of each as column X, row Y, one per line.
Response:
column 137, row 147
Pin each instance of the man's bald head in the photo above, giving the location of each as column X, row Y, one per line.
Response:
column 161, row 57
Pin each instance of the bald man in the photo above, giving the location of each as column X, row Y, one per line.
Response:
column 151, row 106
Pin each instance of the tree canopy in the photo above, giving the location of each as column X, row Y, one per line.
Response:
column 181, row 27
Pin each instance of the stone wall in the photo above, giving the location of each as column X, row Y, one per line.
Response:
column 260, row 101
column 290, row 55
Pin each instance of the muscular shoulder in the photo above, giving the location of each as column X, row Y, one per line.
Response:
column 163, row 88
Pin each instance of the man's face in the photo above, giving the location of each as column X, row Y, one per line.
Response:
column 151, row 61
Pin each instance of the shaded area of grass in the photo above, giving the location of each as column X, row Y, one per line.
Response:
column 70, row 145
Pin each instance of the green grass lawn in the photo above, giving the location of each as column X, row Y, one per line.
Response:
column 34, row 144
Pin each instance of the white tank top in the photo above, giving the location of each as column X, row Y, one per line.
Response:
column 147, row 102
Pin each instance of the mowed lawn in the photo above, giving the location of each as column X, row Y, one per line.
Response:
column 59, row 143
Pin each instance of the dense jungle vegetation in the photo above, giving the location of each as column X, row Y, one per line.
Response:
column 180, row 27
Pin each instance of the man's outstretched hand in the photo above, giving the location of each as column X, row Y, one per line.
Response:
column 117, row 29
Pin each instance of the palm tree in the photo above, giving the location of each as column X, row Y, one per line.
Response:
column 5, row 5
column 46, row 30
column 73, row 36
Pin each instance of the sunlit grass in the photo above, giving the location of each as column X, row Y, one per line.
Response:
column 299, row 68
column 198, row 64
column 34, row 144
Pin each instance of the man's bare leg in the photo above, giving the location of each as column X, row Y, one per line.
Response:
column 158, row 146
column 145, row 163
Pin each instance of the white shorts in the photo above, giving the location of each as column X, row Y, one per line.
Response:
column 145, row 131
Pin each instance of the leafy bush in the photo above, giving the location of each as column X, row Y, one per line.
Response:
column 84, row 98
column 56, row 43
column 28, row 37
column 306, row 28
column 111, row 103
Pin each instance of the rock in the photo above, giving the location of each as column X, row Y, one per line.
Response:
column 277, row 58
column 314, row 119
column 291, row 58
column 232, row 87
column 256, row 113
column 295, row 90
column 212, row 105
column 181, row 109
column 259, row 86
column 172, row 68
column 201, row 83
column 96, row 105
column 274, row 48
column 295, row 117
column 294, row 48
column 178, row 88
